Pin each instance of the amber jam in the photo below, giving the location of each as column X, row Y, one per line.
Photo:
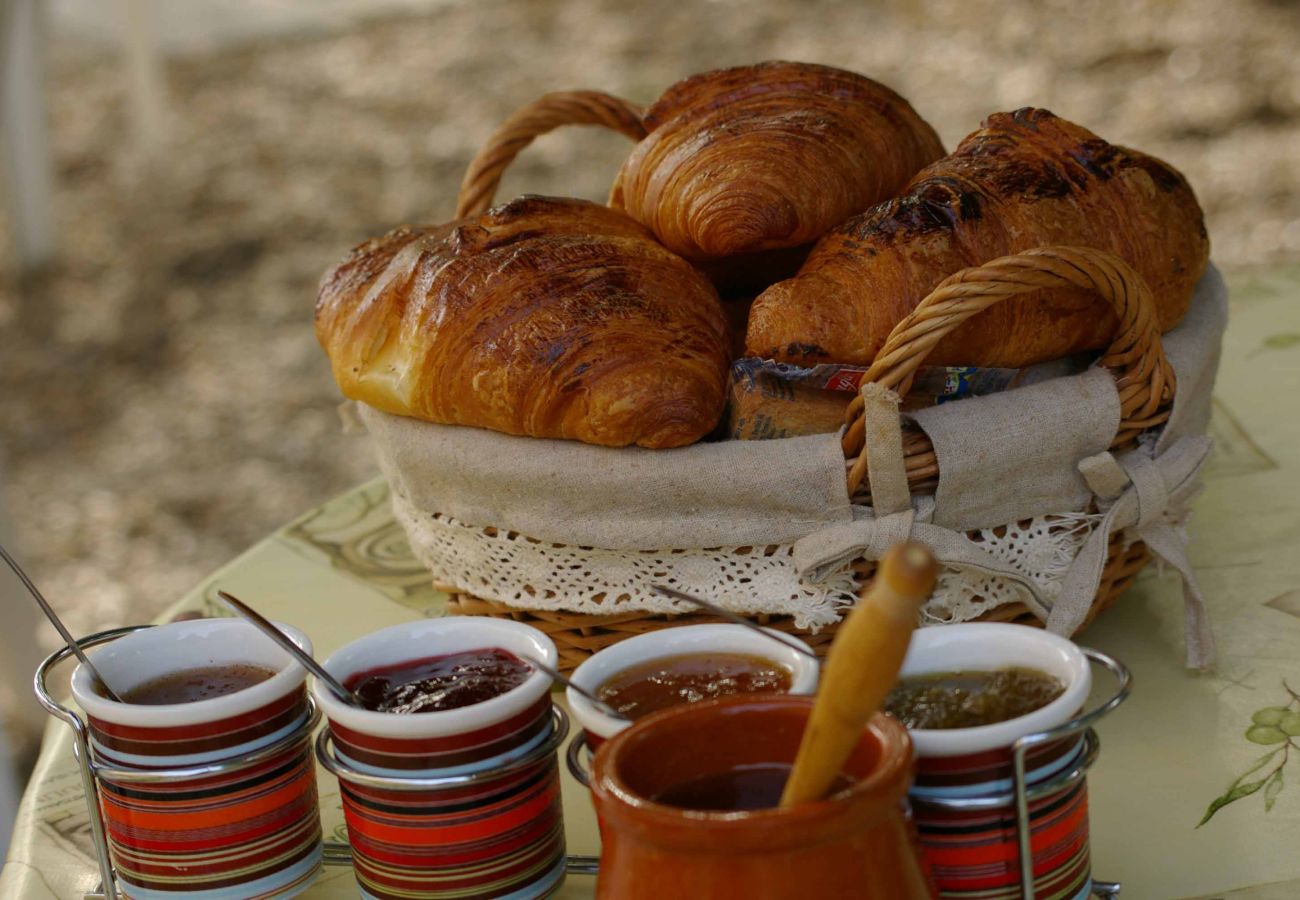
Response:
column 742, row 788
column 969, row 699
column 674, row 680
column 437, row 683
column 191, row 685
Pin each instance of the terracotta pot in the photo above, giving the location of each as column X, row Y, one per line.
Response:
column 859, row 844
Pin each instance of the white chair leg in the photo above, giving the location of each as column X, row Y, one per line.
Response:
column 26, row 151
column 145, row 72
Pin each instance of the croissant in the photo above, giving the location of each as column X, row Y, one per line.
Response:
column 543, row 317
column 774, row 155
column 1024, row 180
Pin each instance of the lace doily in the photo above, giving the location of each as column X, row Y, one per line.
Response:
column 523, row 572
column 1041, row 549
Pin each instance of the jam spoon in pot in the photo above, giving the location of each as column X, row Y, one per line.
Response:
column 577, row 688
column 253, row 617
column 735, row 619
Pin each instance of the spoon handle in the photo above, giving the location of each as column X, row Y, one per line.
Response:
column 255, row 618
column 735, row 619
column 860, row 669
column 577, row 688
column 58, row 623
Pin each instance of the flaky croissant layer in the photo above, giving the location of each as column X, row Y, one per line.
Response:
column 1026, row 179
column 768, row 156
column 543, row 317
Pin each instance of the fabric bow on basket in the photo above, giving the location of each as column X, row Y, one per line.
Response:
column 1137, row 490
column 893, row 519
column 1148, row 493
column 1139, row 487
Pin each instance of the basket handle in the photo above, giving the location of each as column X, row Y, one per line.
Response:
column 1136, row 356
column 544, row 114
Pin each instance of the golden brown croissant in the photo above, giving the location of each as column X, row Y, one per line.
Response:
column 1024, row 180
column 545, row 317
column 768, row 156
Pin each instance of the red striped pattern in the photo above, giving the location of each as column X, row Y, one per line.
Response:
column 205, row 737
column 186, row 733
column 416, row 754
column 499, row 837
column 226, row 831
column 982, row 768
column 487, row 840
column 975, row 855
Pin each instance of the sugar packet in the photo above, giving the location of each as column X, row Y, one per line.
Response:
column 773, row 400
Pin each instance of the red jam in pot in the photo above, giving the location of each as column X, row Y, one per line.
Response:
column 660, row 683
column 438, row 683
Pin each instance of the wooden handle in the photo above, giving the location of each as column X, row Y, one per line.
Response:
column 1135, row 355
column 544, row 114
column 862, row 666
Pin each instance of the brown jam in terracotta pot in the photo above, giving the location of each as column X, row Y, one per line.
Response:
column 741, row 788
column 202, row 683
column 970, row 699
column 660, row 683
column 440, row 682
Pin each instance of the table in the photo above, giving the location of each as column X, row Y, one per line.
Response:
column 1180, row 742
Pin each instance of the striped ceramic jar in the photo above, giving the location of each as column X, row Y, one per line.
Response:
column 251, row 830
column 975, row 854
column 499, row 836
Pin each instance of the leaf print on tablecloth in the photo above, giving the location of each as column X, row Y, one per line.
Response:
column 1273, row 725
column 1273, row 788
column 1283, row 341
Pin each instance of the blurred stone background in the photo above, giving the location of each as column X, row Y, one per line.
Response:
column 164, row 402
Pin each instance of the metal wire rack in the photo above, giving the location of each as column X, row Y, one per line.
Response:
column 336, row 853
column 1022, row 793
column 340, row 854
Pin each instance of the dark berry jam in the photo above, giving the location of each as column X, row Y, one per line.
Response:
column 440, row 682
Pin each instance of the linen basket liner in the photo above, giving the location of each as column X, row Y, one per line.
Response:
column 768, row 526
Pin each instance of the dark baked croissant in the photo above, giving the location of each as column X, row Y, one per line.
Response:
column 544, row 317
column 768, row 156
column 1024, row 180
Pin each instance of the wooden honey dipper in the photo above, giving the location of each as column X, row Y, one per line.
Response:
column 861, row 668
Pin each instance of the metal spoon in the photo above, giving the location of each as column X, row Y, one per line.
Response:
column 59, row 626
column 250, row 615
column 736, row 620
column 577, row 689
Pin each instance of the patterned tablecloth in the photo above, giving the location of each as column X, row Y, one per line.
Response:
column 1184, row 745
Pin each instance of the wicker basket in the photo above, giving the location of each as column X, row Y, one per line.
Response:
column 1144, row 378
